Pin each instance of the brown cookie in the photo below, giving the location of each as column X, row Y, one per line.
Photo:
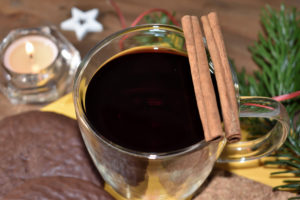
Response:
column 35, row 144
column 58, row 188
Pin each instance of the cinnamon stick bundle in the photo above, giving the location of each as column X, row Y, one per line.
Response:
column 223, row 75
column 203, row 87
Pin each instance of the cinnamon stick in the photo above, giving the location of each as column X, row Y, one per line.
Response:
column 223, row 75
column 203, row 87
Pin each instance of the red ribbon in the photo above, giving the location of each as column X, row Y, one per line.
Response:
column 287, row 96
column 277, row 98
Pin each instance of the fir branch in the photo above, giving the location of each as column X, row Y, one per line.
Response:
column 277, row 54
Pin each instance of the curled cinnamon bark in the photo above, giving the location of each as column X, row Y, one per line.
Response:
column 203, row 86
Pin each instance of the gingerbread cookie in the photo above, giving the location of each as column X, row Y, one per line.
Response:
column 58, row 188
column 36, row 144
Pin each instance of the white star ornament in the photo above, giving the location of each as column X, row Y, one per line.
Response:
column 82, row 22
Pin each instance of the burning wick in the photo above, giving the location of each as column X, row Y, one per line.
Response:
column 29, row 48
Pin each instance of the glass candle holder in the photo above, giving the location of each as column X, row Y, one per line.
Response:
column 37, row 65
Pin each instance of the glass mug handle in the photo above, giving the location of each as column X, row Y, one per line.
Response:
column 258, row 107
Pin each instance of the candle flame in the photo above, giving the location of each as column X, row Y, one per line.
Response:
column 29, row 48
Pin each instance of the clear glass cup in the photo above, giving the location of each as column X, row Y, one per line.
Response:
column 169, row 175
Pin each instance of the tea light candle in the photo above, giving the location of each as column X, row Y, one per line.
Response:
column 30, row 54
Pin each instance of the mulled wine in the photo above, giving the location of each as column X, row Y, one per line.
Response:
column 143, row 100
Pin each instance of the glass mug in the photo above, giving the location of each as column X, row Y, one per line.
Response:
column 168, row 175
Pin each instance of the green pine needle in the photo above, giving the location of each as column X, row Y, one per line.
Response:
column 297, row 172
column 294, row 198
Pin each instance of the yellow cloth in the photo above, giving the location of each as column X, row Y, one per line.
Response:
column 63, row 106
column 252, row 170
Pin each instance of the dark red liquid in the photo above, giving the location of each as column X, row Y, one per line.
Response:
column 144, row 101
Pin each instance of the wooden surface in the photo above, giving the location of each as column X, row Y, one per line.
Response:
column 240, row 25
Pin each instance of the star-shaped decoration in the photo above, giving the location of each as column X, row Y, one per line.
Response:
column 82, row 22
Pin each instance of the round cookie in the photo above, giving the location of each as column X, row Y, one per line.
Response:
column 58, row 188
column 35, row 144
